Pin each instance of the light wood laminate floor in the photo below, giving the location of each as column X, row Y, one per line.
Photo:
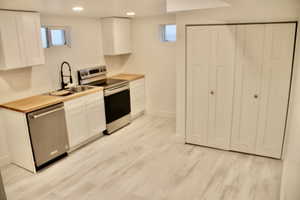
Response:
column 146, row 161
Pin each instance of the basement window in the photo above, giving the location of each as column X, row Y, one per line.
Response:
column 55, row 36
column 44, row 37
column 168, row 33
column 58, row 37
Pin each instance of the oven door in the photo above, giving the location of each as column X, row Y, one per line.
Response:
column 117, row 103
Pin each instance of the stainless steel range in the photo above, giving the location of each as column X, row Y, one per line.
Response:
column 116, row 96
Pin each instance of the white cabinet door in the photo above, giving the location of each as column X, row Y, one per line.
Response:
column 116, row 35
column 137, row 97
column 96, row 114
column 276, row 76
column 31, row 34
column 12, row 47
column 249, row 63
column 210, row 71
column 85, row 118
column 77, row 123
column 20, row 40
column 122, row 36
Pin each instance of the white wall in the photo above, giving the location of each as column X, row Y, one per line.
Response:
column 86, row 51
column 241, row 11
column 291, row 167
column 4, row 156
column 156, row 60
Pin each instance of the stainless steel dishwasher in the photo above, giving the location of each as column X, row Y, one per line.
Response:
column 48, row 134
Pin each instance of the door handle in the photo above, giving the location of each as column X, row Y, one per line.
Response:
column 256, row 96
column 212, row 92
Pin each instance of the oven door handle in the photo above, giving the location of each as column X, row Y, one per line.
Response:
column 111, row 91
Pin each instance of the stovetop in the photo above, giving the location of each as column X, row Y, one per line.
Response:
column 108, row 83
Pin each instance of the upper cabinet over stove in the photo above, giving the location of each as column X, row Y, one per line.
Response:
column 20, row 40
column 116, row 33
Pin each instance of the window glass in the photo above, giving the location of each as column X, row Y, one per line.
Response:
column 169, row 33
column 44, row 37
column 57, row 37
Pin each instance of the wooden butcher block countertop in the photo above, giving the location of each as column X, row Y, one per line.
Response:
column 44, row 100
column 128, row 77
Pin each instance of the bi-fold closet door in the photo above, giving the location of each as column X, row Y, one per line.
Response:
column 238, row 82
column 210, row 84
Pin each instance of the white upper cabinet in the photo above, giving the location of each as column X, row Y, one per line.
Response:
column 116, row 36
column 31, row 34
column 20, row 40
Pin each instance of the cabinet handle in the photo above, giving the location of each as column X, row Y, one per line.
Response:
column 256, row 96
column 212, row 92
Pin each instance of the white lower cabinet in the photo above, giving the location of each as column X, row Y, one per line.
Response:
column 238, row 84
column 85, row 118
column 96, row 116
column 137, row 97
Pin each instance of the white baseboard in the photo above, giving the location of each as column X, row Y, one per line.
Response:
column 4, row 160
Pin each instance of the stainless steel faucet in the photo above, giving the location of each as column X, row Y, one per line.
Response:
column 63, row 84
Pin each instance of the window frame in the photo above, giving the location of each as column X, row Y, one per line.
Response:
column 67, row 35
column 163, row 33
column 46, row 37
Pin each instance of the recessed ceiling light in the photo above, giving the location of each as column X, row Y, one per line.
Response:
column 130, row 13
column 77, row 8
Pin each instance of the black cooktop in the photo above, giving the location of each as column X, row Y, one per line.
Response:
column 106, row 83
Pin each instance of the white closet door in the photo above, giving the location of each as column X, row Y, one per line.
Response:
column 210, row 76
column 278, row 58
column 221, row 86
column 249, row 63
column 199, row 40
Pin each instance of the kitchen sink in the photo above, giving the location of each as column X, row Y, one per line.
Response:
column 60, row 93
column 71, row 91
column 80, row 88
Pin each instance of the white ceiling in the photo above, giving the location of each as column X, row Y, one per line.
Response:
column 92, row 8
column 105, row 8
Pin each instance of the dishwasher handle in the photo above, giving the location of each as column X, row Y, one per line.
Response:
column 47, row 113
